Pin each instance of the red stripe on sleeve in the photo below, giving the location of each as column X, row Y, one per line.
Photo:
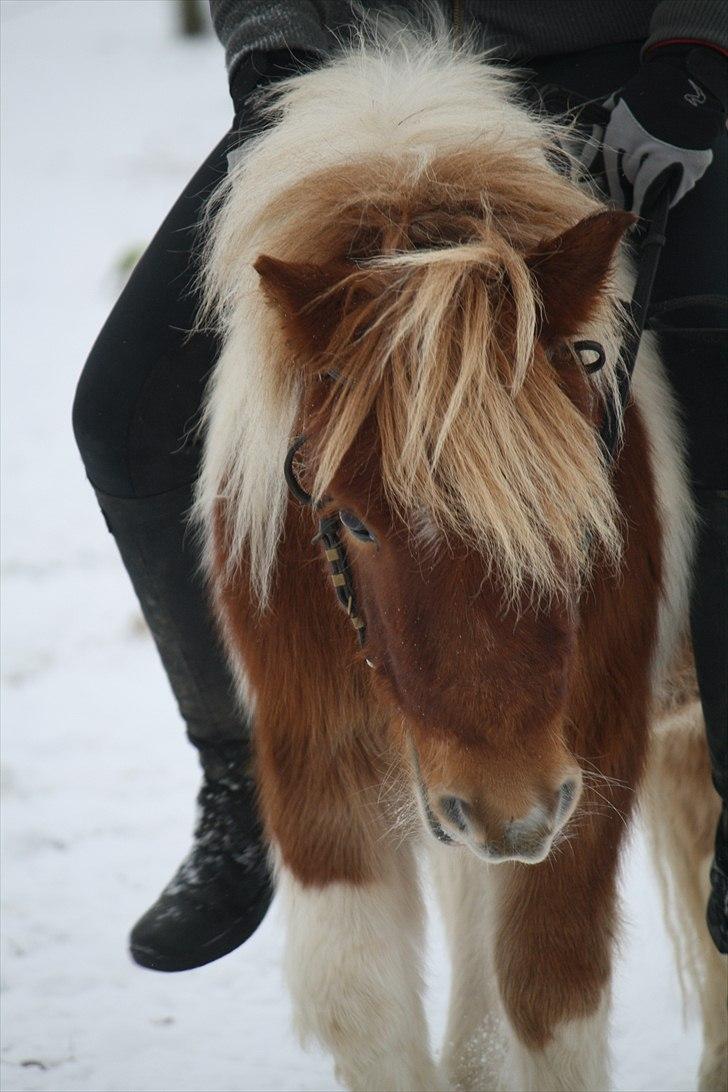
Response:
column 688, row 41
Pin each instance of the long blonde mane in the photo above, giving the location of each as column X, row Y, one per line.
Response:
column 416, row 159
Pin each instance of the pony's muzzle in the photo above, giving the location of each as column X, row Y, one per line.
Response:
column 525, row 838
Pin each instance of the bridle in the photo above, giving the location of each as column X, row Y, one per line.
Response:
column 649, row 257
column 334, row 549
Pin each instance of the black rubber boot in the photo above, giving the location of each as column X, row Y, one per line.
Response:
column 220, row 893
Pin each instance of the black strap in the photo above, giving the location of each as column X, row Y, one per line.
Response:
column 649, row 258
column 329, row 534
column 292, row 481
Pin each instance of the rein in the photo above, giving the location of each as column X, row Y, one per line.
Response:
column 650, row 253
column 638, row 310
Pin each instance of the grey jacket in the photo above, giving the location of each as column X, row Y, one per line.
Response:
column 517, row 29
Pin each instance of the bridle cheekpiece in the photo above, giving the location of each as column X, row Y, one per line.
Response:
column 329, row 535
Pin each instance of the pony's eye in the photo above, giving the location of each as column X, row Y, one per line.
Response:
column 355, row 526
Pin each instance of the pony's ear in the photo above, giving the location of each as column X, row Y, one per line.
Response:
column 302, row 293
column 572, row 269
column 292, row 286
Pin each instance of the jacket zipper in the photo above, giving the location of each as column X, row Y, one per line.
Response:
column 457, row 19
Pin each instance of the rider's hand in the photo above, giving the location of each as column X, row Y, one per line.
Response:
column 665, row 119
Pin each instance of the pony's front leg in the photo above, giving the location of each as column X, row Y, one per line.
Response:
column 353, row 968
column 349, row 887
column 474, row 1046
column 554, row 958
column 346, row 875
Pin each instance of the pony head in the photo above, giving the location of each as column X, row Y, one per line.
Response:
column 455, row 432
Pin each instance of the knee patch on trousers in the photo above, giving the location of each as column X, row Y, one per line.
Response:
column 137, row 437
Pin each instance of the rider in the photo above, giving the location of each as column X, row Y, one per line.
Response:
column 662, row 67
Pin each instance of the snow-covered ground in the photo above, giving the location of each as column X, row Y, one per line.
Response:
column 105, row 116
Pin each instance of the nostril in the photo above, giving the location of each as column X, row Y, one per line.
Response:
column 455, row 810
column 567, row 794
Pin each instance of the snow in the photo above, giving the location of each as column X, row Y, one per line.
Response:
column 106, row 114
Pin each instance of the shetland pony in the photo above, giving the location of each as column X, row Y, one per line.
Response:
column 399, row 273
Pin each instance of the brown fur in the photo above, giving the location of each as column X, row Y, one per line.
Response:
column 554, row 964
column 498, row 688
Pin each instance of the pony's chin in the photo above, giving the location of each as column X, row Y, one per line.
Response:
column 494, row 856
column 487, row 853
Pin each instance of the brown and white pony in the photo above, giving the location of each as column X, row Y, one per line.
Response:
column 400, row 273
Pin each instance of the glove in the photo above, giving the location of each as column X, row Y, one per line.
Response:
column 662, row 125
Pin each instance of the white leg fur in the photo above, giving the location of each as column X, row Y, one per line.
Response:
column 473, row 1051
column 576, row 1059
column 353, row 968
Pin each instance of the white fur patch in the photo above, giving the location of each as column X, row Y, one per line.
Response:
column 575, row 1060
column 353, row 968
column 477, row 1029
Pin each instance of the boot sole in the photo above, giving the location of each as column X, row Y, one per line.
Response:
column 216, row 948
